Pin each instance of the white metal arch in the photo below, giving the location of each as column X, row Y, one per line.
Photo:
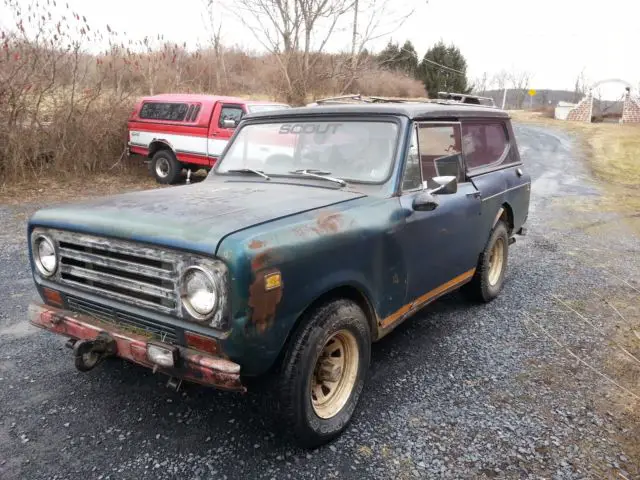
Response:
column 612, row 80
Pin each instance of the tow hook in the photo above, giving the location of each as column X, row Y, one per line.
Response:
column 89, row 353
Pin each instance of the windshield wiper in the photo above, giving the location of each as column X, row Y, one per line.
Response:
column 319, row 174
column 250, row 170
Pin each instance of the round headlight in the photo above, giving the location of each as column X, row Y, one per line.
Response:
column 198, row 292
column 44, row 254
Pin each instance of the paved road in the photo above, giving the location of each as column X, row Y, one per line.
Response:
column 461, row 391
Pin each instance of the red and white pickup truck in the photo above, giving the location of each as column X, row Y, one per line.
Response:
column 186, row 131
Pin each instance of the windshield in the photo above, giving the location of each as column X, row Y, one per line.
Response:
column 265, row 108
column 351, row 150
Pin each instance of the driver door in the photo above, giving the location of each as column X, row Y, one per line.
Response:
column 219, row 134
column 437, row 243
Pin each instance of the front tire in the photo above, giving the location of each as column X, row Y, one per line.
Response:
column 488, row 279
column 165, row 167
column 324, row 372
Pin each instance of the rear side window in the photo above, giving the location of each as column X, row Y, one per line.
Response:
column 195, row 113
column 484, row 143
column 174, row 112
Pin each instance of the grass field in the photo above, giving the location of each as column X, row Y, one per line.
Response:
column 613, row 153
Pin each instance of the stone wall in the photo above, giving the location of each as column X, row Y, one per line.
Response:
column 583, row 111
column 631, row 109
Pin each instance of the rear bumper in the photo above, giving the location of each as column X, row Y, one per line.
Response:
column 191, row 365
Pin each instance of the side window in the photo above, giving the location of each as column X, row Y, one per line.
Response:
column 174, row 112
column 412, row 177
column 484, row 143
column 230, row 112
column 195, row 113
column 440, row 146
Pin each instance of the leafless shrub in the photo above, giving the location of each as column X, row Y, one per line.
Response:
column 63, row 110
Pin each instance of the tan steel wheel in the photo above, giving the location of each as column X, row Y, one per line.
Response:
column 496, row 261
column 335, row 373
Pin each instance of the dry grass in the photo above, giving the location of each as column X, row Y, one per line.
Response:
column 624, row 313
column 613, row 153
column 54, row 189
column 63, row 110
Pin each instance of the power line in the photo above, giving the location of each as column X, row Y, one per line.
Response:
column 436, row 64
column 439, row 65
column 444, row 67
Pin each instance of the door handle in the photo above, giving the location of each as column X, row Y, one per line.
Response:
column 519, row 172
column 474, row 195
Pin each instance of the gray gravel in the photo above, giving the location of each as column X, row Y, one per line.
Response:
column 460, row 391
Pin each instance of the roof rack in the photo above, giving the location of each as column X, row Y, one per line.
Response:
column 355, row 98
column 467, row 99
column 447, row 98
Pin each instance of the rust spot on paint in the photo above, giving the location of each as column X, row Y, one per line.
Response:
column 256, row 244
column 260, row 261
column 328, row 223
column 263, row 303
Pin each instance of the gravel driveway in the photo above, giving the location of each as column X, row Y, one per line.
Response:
column 460, row 391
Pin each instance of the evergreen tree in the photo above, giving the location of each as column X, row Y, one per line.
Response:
column 408, row 59
column 402, row 59
column 443, row 68
column 388, row 57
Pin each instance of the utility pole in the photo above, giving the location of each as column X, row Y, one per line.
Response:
column 504, row 98
column 355, row 35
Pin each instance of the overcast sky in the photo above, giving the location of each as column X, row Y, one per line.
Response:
column 552, row 39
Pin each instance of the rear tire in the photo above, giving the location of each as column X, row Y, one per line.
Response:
column 165, row 167
column 324, row 371
column 488, row 279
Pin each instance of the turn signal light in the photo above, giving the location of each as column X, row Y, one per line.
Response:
column 52, row 297
column 201, row 343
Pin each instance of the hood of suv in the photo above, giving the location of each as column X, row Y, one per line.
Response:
column 191, row 217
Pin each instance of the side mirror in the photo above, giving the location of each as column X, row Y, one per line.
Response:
column 229, row 123
column 448, row 185
column 425, row 201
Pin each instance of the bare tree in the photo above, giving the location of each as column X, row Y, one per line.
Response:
column 580, row 87
column 519, row 80
column 213, row 26
column 295, row 32
column 500, row 79
column 372, row 20
column 481, row 83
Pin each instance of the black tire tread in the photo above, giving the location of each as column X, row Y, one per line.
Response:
column 478, row 289
column 175, row 171
column 292, row 366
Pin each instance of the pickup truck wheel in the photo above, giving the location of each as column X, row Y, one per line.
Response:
column 324, row 371
column 165, row 167
column 488, row 280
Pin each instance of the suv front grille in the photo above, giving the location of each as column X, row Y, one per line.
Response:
column 125, row 271
column 160, row 331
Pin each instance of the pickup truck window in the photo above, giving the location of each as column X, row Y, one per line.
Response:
column 230, row 112
column 174, row 112
column 352, row 150
column 484, row 143
column 265, row 108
